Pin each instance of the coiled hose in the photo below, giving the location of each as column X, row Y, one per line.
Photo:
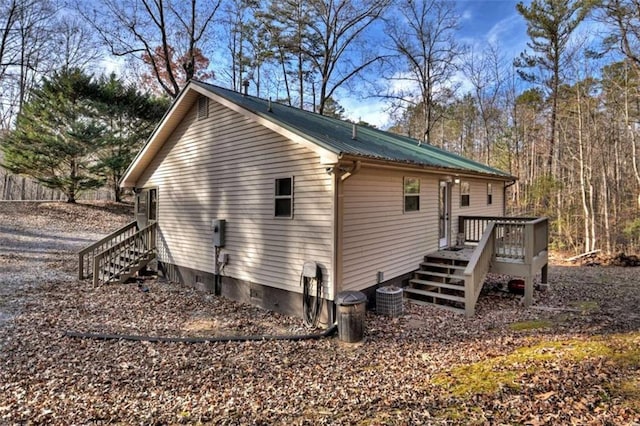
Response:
column 311, row 305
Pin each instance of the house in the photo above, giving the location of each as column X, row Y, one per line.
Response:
column 243, row 192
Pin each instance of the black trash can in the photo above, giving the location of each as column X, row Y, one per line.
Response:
column 351, row 313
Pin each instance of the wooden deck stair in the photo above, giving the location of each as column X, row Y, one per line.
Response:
column 439, row 281
column 118, row 256
column 126, row 265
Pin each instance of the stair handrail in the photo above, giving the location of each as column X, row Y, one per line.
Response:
column 143, row 241
column 87, row 254
column 477, row 269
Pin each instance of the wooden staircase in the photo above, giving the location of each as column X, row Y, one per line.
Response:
column 119, row 256
column 125, row 265
column 439, row 281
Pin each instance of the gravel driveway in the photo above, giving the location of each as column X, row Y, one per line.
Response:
column 36, row 245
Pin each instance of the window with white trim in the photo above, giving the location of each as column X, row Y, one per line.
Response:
column 283, row 202
column 489, row 194
column 465, row 197
column 411, row 194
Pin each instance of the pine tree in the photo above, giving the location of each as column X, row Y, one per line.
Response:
column 56, row 134
column 550, row 24
column 128, row 117
column 77, row 133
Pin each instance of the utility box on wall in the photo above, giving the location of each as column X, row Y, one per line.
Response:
column 218, row 232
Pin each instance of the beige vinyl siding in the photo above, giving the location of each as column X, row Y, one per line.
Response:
column 477, row 202
column 224, row 167
column 377, row 234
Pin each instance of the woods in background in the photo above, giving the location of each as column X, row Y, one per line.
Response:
column 563, row 115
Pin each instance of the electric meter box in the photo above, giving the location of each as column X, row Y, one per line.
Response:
column 218, row 232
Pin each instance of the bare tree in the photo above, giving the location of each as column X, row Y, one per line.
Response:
column 27, row 37
column 487, row 74
column 164, row 34
column 75, row 44
column 422, row 34
column 336, row 27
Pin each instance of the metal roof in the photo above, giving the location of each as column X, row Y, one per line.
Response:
column 336, row 136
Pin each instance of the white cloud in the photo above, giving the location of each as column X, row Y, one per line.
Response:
column 372, row 111
column 504, row 29
column 112, row 64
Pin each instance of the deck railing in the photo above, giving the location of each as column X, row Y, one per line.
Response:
column 472, row 227
column 110, row 262
column 478, row 267
column 516, row 238
column 86, row 255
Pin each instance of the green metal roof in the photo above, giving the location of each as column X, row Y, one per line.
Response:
column 336, row 136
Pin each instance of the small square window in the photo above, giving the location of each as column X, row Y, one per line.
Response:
column 411, row 194
column 465, row 198
column 283, row 206
column 489, row 194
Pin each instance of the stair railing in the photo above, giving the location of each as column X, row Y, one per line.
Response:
column 86, row 255
column 478, row 267
column 107, row 265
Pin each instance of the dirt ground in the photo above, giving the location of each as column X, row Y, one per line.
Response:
column 572, row 358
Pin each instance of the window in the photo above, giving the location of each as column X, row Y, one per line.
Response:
column 464, row 194
column 153, row 204
column 411, row 194
column 489, row 194
column 142, row 202
column 284, row 197
column 203, row 107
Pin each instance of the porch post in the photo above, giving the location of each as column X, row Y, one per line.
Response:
column 544, row 277
column 528, row 290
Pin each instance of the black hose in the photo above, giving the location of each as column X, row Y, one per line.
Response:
column 311, row 305
column 156, row 339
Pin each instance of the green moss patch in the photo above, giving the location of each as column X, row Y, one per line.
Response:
column 530, row 325
column 505, row 372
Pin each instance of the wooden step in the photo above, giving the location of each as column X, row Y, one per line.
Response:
column 436, row 284
column 433, row 294
column 442, row 265
column 449, row 262
column 440, row 274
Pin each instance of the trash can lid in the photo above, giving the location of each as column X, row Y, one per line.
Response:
column 350, row 298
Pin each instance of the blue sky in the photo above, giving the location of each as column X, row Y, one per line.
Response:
column 486, row 19
column 482, row 21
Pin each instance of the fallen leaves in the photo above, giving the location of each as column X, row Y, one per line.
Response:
column 574, row 362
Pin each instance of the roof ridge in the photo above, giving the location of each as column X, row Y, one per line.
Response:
column 336, row 135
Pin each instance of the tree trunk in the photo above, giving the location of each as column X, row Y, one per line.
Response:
column 605, row 210
column 632, row 137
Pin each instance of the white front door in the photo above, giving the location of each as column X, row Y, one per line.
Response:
column 443, row 213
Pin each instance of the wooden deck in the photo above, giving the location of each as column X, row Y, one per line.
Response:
column 464, row 253
column 509, row 246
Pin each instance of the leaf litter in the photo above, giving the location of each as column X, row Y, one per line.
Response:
column 573, row 358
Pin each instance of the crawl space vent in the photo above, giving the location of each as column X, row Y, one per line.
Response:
column 389, row 301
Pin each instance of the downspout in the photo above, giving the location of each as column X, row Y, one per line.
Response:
column 339, row 179
column 355, row 169
column 504, row 197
